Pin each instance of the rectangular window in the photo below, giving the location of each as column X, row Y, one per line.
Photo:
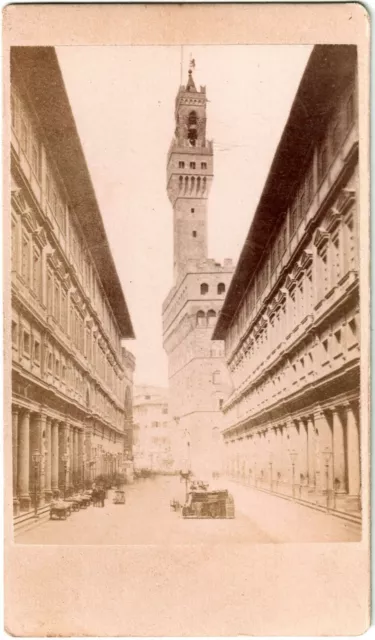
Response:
column 310, row 187
column 64, row 314
column 37, row 351
column 26, row 343
column 192, row 165
column 25, row 270
column 24, row 137
column 293, row 221
column 37, row 273
column 56, row 311
column 181, row 165
column 35, row 159
column 203, row 165
column 14, row 245
column 323, row 161
column 49, row 293
column 14, row 334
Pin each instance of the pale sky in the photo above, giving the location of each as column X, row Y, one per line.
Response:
column 123, row 103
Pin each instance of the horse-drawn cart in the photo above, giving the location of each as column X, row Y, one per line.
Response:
column 209, row 504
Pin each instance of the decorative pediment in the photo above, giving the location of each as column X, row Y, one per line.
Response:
column 66, row 282
column 320, row 237
column 28, row 220
column 333, row 219
column 40, row 237
column 89, row 324
column 76, row 298
column 61, row 271
column 18, row 200
column 346, row 199
column 280, row 296
column 289, row 282
column 306, row 258
column 271, row 309
column 53, row 259
column 111, row 359
column 101, row 344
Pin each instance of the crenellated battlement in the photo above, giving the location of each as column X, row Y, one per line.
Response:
column 208, row 267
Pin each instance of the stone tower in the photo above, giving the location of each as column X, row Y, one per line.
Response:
column 198, row 379
column 189, row 176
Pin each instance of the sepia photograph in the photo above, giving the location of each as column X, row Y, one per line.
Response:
column 186, row 305
column 259, row 412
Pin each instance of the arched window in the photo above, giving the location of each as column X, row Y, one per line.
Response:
column 186, row 183
column 201, row 318
column 180, row 182
column 192, row 128
column 192, row 119
column 221, row 288
column 211, row 317
column 216, row 377
column 204, row 288
column 192, row 183
column 198, row 183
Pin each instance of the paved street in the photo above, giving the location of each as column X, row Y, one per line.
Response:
column 146, row 518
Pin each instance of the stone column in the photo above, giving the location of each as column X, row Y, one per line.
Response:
column 71, row 457
column 324, row 435
column 75, row 456
column 55, row 455
column 354, row 452
column 24, row 461
column 16, row 503
column 311, row 451
column 339, row 462
column 42, row 466
column 88, row 453
column 81, row 456
column 48, row 461
column 303, row 450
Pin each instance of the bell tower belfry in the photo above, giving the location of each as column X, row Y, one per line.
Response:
column 198, row 378
column 189, row 176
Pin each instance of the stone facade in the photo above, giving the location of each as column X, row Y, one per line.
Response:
column 153, row 432
column 291, row 319
column 198, row 377
column 71, row 378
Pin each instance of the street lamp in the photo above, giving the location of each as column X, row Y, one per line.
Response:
column 65, row 459
column 293, row 456
column 271, row 479
column 327, row 457
column 36, row 458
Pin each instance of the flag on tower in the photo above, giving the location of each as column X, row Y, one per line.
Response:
column 192, row 63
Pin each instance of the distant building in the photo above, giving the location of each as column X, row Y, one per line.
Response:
column 153, row 435
column 198, row 379
column 71, row 378
column 290, row 320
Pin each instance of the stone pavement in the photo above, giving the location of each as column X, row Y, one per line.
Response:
column 287, row 521
column 146, row 519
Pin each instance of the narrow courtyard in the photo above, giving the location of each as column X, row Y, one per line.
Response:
column 146, row 519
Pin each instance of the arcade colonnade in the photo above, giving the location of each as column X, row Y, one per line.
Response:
column 305, row 455
column 67, row 459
